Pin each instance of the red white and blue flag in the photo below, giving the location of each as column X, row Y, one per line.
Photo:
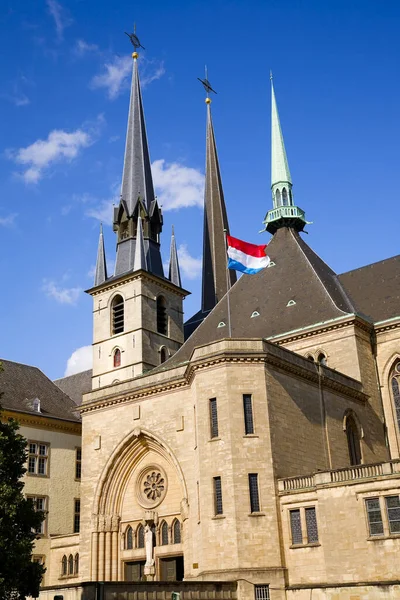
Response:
column 245, row 257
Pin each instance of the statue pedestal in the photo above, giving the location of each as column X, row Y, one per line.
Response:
column 150, row 573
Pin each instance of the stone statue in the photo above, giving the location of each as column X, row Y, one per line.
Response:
column 148, row 542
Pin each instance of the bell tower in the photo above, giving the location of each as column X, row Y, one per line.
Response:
column 137, row 311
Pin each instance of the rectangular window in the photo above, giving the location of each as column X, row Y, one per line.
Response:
column 253, row 490
column 311, row 525
column 40, row 503
column 38, row 454
column 261, row 592
column 218, row 508
column 393, row 513
column 248, row 414
column 78, row 463
column 213, row 418
column 374, row 516
column 77, row 515
column 295, row 527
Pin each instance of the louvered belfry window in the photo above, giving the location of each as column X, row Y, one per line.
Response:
column 117, row 315
column 162, row 315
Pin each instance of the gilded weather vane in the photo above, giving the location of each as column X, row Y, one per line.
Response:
column 134, row 39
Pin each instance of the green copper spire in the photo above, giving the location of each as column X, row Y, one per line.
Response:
column 284, row 212
column 280, row 174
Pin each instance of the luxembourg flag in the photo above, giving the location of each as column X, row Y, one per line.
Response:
column 247, row 258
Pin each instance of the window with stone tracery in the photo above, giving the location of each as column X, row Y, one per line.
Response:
column 129, row 538
column 395, row 389
column 164, row 534
column 176, row 532
column 140, row 536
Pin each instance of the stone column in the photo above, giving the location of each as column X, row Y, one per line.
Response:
column 114, row 547
column 95, row 555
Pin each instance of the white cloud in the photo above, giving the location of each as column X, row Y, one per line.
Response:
column 190, row 266
column 151, row 71
column 8, row 221
column 177, row 186
column 81, row 48
column 103, row 212
column 60, row 145
column 115, row 76
column 80, row 360
column 61, row 19
column 62, row 295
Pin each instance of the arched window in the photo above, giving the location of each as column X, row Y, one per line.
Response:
column 310, row 357
column 163, row 355
column 117, row 314
column 64, row 565
column 395, row 384
column 290, row 197
column 70, row 565
column 164, row 534
column 284, row 197
column 140, row 536
column 176, row 532
column 76, row 566
column 278, row 201
column 117, row 358
column 353, row 441
column 161, row 315
column 322, row 359
column 129, row 538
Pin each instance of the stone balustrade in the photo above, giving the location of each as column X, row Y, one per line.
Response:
column 338, row 476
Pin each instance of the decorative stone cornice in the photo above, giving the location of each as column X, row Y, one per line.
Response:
column 116, row 283
column 317, row 329
column 387, row 325
column 44, row 422
column 238, row 352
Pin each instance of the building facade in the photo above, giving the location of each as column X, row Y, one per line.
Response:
column 258, row 447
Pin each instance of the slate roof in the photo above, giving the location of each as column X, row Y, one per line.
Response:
column 375, row 289
column 21, row 384
column 299, row 275
column 76, row 385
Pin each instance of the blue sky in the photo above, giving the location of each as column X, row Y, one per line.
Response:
column 64, row 100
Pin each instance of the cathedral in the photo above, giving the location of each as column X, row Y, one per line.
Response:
column 252, row 452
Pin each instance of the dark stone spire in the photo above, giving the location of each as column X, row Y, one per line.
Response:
column 214, row 284
column 101, row 264
column 174, row 274
column 137, row 193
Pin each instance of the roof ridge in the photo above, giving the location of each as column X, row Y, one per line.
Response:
column 345, row 296
column 377, row 262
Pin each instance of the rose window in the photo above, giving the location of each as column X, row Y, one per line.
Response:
column 154, row 486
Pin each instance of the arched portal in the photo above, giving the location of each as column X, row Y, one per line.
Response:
column 141, row 477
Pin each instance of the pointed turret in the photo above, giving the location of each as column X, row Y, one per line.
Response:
column 140, row 254
column 174, row 274
column 137, row 192
column 214, row 284
column 284, row 212
column 101, row 264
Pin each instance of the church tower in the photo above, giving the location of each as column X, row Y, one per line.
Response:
column 138, row 315
column 284, row 212
column 214, row 277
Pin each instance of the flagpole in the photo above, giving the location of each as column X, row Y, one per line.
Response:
column 228, row 286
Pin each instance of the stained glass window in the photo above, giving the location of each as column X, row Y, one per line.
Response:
column 393, row 512
column 295, row 526
column 164, row 534
column 374, row 516
column 311, row 525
